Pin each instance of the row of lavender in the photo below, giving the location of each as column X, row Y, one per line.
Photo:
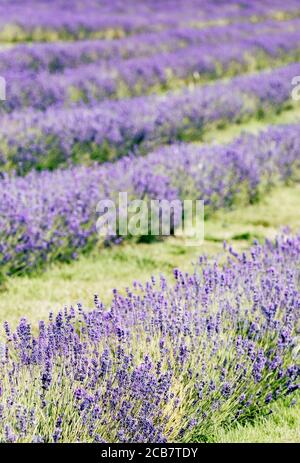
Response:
column 52, row 215
column 92, row 83
column 57, row 56
column 163, row 363
column 117, row 19
column 31, row 139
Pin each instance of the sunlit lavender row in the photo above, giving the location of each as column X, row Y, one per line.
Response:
column 111, row 129
column 139, row 76
column 57, row 56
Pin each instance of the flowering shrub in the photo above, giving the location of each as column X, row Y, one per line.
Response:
column 162, row 363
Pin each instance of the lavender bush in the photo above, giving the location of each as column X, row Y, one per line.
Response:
column 162, row 363
column 52, row 215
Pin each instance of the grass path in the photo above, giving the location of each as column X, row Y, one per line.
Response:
column 116, row 267
column 227, row 133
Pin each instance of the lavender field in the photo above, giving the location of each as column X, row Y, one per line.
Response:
column 138, row 336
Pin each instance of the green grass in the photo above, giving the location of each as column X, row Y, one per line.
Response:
column 282, row 426
column 225, row 134
column 116, row 267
